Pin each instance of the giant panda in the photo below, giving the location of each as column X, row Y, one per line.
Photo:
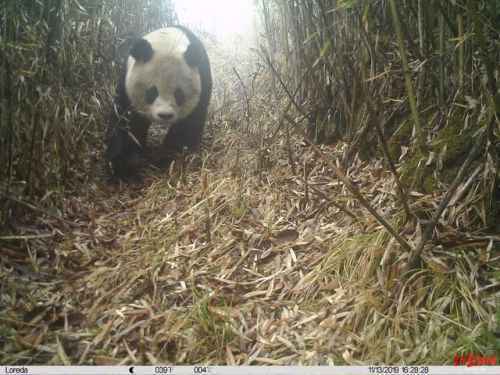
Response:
column 166, row 80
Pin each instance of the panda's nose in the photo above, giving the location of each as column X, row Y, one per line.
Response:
column 166, row 116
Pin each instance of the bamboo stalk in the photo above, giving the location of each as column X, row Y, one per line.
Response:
column 461, row 51
column 407, row 74
column 441, row 60
column 420, row 27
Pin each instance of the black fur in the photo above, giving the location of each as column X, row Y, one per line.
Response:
column 142, row 51
column 120, row 144
column 123, row 152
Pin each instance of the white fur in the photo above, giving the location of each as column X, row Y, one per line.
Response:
column 167, row 70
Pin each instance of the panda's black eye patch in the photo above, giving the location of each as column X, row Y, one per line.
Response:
column 151, row 94
column 180, row 98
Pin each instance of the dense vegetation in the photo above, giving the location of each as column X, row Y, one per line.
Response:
column 412, row 81
column 60, row 60
column 345, row 209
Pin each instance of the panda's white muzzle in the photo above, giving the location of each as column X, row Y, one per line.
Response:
column 165, row 116
column 163, row 112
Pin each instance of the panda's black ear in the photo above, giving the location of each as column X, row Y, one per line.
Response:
column 142, row 50
column 194, row 55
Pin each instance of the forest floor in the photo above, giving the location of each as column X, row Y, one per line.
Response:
column 234, row 258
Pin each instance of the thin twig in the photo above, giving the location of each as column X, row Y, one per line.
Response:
column 355, row 191
column 330, row 202
column 392, row 167
column 339, row 172
column 26, row 237
column 427, row 235
column 245, row 93
column 38, row 209
column 280, row 79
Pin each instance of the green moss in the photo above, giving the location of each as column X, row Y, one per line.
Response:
column 493, row 206
column 429, row 184
column 450, row 147
column 400, row 137
column 457, row 141
column 415, row 174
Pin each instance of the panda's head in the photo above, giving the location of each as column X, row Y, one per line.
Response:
column 163, row 80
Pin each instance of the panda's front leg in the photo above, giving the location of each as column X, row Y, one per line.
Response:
column 139, row 126
column 184, row 136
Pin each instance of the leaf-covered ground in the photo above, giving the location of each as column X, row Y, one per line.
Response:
column 231, row 258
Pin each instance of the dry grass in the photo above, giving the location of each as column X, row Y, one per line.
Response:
column 227, row 261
